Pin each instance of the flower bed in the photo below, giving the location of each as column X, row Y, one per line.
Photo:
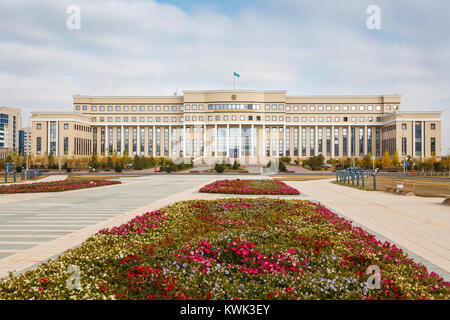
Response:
column 261, row 187
column 231, row 249
column 55, row 186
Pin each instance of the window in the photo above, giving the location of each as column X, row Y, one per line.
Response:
column 353, row 108
column 142, row 108
column 94, row 108
column 158, row 108
column 403, row 126
column 38, row 145
column 133, row 108
column 133, row 119
column 125, row 119
column 370, row 108
column 388, row 107
column 117, row 108
column 303, row 108
column 312, row 108
column 295, row 108
column 336, row 108
column 433, row 126
column 321, row 108
column 141, row 119
column 110, row 108
column 38, row 126
column 361, row 108
column 433, row 146
column 66, row 126
column 150, row 108
column 126, row 108
column 77, row 107
column 378, row 108
column 345, row 108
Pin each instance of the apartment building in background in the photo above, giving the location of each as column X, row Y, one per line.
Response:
column 249, row 125
column 10, row 123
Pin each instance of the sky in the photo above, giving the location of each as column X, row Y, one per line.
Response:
column 146, row 47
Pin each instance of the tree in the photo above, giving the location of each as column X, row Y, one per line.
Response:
column 386, row 160
column 367, row 161
column 395, row 159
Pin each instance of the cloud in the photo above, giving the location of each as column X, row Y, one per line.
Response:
column 137, row 47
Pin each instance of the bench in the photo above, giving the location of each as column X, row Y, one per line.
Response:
column 403, row 187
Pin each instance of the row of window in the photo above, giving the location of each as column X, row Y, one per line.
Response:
column 432, row 127
column 77, row 127
column 236, row 107
column 234, row 118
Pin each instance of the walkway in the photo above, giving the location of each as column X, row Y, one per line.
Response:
column 420, row 225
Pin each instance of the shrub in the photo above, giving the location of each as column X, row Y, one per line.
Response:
column 236, row 165
column 219, row 167
column 118, row 167
column 169, row 166
column 281, row 166
column 285, row 160
column 315, row 162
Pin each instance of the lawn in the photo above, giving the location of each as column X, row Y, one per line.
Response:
column 302, row 178
column 55, row 186
column 424, row 187
column 248, row 186
column 230, row 249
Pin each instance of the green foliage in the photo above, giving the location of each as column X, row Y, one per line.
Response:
column 315, row 162
column 285, row 159
column 219, row 167
column 169, row 166
column 236, row 165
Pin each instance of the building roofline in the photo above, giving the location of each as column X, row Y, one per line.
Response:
column 123, row 97
column 409, row 112
column 65, row 113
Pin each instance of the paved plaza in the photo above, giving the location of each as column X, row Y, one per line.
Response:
column 35, row 227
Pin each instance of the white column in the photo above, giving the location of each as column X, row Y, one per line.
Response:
column 138, row 141
column 57, row 138
column 264, row 141
column 365, row 140
column 170, row 141
column 216, row 139
column 332, row 141
column 106, row 141
column 252, row 141
column 184, row 140
column 122, row 135
column 316, row 141
column 349, row 142
column 240, row 140
column 204, row 140
column 154, row 141
column 228, row 140
column 422, row 144
column 300, row 141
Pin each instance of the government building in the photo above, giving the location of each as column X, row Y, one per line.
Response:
column 249, row 125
